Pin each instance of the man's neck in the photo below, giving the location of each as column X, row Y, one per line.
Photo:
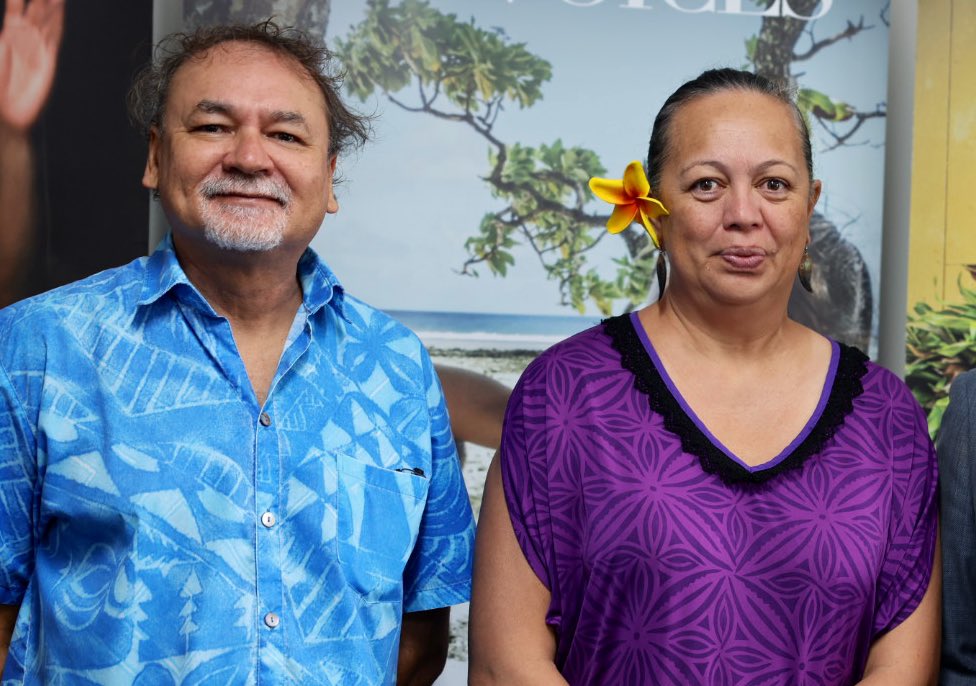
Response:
column 258, row 293
column 252, row 289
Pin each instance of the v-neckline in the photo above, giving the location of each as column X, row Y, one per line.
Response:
column 842, row 384
column 714, row 440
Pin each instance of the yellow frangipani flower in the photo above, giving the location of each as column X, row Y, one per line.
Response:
column 631, row 195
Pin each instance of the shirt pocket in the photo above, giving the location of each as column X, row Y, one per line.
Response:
column 379, row 512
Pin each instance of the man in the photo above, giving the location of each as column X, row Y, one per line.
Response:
column 957, row 492
column 218, row 467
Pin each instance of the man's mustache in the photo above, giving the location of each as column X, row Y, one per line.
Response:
column 230, row 185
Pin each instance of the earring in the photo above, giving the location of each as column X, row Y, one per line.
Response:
column 805, row 270
column 661, row 269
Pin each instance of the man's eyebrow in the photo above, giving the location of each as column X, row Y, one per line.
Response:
column 214, row 107
column 277, row 116
column 287, row 117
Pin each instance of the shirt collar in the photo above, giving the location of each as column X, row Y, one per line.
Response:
column 320, row 286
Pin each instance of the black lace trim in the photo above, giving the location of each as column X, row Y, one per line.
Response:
column 851, row 367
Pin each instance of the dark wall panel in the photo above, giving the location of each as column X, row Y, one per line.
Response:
column 92, row 211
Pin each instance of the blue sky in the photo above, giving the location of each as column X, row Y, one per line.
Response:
column 414, row 194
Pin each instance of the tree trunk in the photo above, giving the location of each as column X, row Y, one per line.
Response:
column 777, row 42
column 311, row 16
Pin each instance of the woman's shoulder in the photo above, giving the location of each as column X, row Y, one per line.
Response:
column 879, row 381
column 593, row 342
column 572, row 360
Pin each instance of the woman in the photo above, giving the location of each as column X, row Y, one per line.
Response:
column 705, row 491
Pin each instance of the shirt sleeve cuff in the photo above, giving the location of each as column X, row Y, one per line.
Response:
column 441, row 596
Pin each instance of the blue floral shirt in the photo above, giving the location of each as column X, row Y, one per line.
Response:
column 159, row 527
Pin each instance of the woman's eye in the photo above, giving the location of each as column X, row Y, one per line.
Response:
column 706, row 185
column 775, row 185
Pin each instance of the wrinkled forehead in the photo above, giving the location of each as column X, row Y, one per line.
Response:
column 230, row 65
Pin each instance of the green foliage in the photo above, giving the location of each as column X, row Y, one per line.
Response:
column 819, row 105
column 752, row 42
column 472, row 68
column 466, row 74
column 545, row 189
column 941, row 343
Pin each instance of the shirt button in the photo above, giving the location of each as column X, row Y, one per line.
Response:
column 265, row 419
column 268, row 519
column 272, row 620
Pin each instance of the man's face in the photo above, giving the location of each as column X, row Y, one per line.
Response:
column 241, row 160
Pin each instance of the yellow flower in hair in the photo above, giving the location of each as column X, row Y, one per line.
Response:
column 631, row 195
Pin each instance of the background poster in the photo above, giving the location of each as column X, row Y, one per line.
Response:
column 559, row 89
column 468, row 216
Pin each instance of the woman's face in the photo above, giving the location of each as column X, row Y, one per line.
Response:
column 736, row 184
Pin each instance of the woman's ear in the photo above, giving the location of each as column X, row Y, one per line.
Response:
column 815, row 189
column 659, row 230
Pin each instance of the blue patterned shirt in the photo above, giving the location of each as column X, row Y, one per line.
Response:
column 160, row 527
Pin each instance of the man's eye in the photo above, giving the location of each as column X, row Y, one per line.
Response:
column 286, row 137
column 209, row 128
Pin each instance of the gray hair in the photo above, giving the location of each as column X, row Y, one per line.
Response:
column 150, row 90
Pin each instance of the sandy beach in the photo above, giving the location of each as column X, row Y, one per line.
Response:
column 504, row 366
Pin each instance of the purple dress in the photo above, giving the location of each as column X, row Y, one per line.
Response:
column 670, row 561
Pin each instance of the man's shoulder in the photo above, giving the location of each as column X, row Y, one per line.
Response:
column 101, row 297
column 964, row 386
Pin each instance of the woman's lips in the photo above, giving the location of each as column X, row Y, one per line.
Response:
column 743, row 258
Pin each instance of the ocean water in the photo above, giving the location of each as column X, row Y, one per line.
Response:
column 479, row 331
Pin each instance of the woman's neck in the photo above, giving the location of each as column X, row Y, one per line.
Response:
column 719, row 329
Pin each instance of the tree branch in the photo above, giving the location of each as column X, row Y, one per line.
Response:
column 859, row 118
column 816, row 46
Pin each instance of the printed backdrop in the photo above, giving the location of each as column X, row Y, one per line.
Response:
column 468, row 216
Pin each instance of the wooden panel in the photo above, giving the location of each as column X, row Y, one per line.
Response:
column 929, row 152
column 956, row 275
column 961, row 167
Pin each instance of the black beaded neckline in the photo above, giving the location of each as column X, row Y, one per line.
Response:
column 846, row 386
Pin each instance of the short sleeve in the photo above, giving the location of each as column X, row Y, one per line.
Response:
column 438, row 573
column 907, row 567
column 18, row 476
column 525, row 469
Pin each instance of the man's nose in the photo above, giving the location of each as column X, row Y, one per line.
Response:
column 247, row 153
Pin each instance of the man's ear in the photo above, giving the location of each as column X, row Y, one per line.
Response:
column 331, row 204
column 150, row 177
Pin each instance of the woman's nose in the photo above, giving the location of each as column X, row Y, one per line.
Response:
column 742, row 208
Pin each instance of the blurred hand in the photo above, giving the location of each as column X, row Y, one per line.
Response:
column 29, row 45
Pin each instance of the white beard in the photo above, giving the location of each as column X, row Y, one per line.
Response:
column 244, row 228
